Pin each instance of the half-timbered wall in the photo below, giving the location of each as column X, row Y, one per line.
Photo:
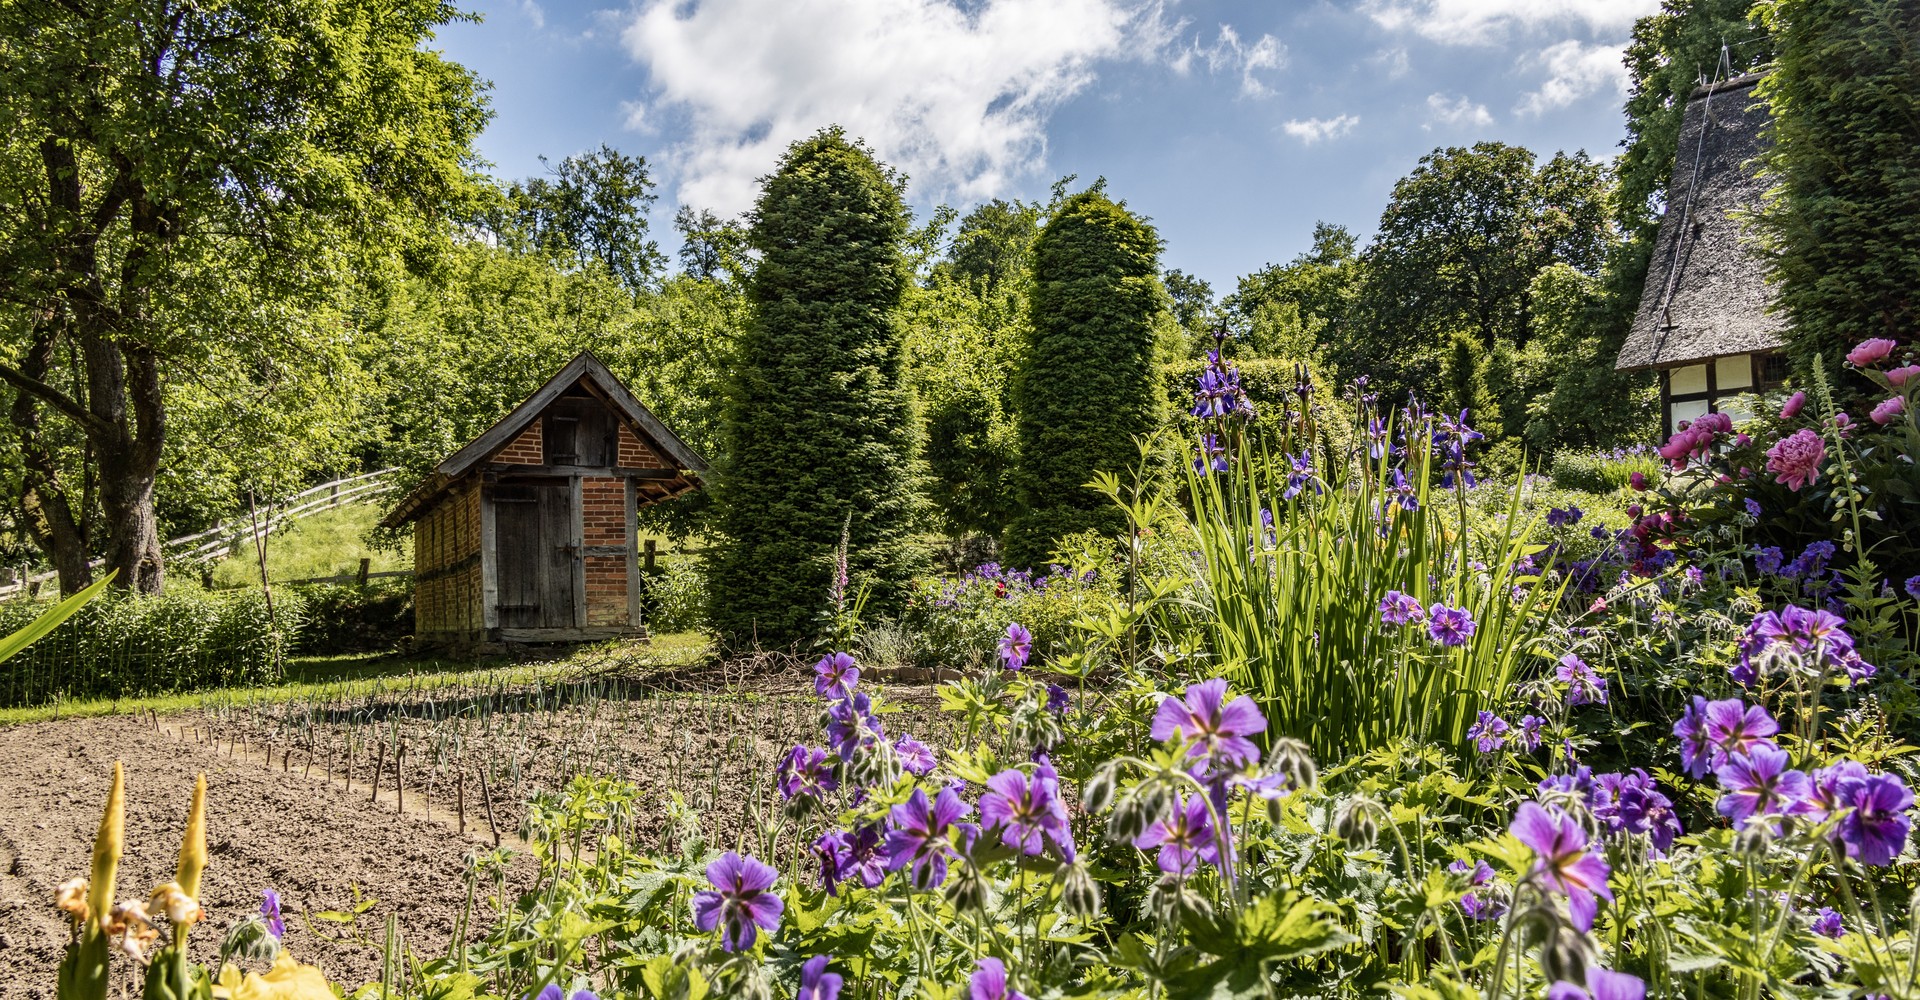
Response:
column 603, row 512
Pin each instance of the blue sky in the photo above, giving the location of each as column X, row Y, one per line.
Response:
column 1234, row 126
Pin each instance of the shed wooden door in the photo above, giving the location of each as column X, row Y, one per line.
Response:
column 535, row 555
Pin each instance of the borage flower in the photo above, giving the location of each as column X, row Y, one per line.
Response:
column 1563, row 860
column 835, row 676
column 1184, row 837
column 1217, row 728
column 739, row 902
column 918, row 835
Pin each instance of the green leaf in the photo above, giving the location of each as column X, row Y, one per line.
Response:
column 51, row 619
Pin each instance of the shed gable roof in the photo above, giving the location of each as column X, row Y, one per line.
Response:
column 584, row 369
column 1706, row 293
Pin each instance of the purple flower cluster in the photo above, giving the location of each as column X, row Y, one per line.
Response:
column 1629, row 803
column 1450, row 439
column 1816, row 640
column 1401, row 609
column 851, row 854
column 1584, row 684
column 1564, row 518
column 1477, row 904
column 1218, row 394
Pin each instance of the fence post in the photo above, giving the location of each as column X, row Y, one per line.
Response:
column 366, row 563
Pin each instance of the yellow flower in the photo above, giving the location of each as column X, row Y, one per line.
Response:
column 287, row 980
column 193, row 846
column 180, row 908
column 72, row 897
column 107, row 844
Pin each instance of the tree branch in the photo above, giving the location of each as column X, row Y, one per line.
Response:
column 55, row 398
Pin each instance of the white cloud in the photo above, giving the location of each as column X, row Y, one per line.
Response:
column 1483, row 22
column 1459, row 110
column 1232, row 55
column 1574, row 70
column 1312, row 130
column 958, row 98
column 1394, row 62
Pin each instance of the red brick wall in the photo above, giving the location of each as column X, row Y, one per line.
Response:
column 635, row 454
column 603, row 515
column 525, row 449
column 447, row 599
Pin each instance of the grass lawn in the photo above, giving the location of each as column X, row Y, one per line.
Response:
column 361, row 675
column 328, row 543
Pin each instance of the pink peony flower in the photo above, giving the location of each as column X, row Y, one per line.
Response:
column 1871, row 351
column 1889, row 409
column 1638, row 480
column 1794, row 403
column 1899, row 376
column 1795, row 459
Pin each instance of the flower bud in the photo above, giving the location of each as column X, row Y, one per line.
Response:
column 1355, row 823
column 180, row 908
column 1754, row 838
column 1097, row 794
column 1172, row 899
column 1129, row 819
column 1293, row 760
column 1078, row 892
column 1566, row 954
column 966, row 890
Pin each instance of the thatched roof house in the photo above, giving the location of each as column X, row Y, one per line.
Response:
column 1703, row 321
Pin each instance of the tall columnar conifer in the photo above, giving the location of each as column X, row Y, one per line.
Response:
column 818, row 426
column 1089, row 386
column 1844, row 221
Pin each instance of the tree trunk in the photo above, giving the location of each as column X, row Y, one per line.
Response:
column 45, row 509
column 124, row 394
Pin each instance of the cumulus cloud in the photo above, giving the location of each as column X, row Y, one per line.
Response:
column 1574, row 70
column 1459, row 110
column 1394, row 63
column 1229, row 53
column 957, row 96
column 1485, row 22
column 1312, row 130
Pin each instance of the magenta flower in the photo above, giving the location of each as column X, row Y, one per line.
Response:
column 1876, row 830
column 739, row 901
column 1488, row 732
column 1400, row 609
column 804, row 772
column 919, row 835
column 1735, row 729
column 1898, row 377
column 1601, row 985
column 816, row 983
column 1795, row 459
column 1638, row 480
column 1759, row 783
column 835, row 675
column 1871, row 351
column 1792, row 408
column 1888, row 409
column 914, row 756
column 1563, row 861
column 1028, row 812
column 1016, row 646
column 989, row 982
column 1584, row 684
column 1449, row 626
column 1184, row 837
column 1217, row 728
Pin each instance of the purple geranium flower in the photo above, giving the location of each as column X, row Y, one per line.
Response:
column 1601, row 985
column 270, row 910
column 1473, row 904
column 854, row 854
column 1912, row 587
column 1184, row 836
column 1489, row 732
column 1016, row 646
column 990, row 982
column 1563, row 861
column 918, row 835
column 1584, row 684
column 851, row 725
column 1875, row 831
column 1630, row 803
column 805, row 772
column 1531, row 727
column 1759, row 783
column 1058, row 699
column 1734, row 729
column 914, row 756
column 816, row 983
column 1399, row 609
column 1696, row 745
column 739, row 902
column 1449, row 626
column 1217, row 728
column 835, row 675
column 1028, row 812
column 1827, row 923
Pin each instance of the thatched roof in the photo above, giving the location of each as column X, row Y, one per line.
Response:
column 1706, row 294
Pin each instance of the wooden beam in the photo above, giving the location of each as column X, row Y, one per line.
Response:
column 569, row 471
column 489, row 562
column 581, row 634
column 579, row 555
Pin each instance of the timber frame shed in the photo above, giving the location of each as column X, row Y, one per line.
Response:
column 529, row 533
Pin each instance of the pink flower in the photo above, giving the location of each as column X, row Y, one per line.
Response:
column 1638, row 480
column 1795, row 460
column 1871, row 351
column 1794, row 403
column 1899, row 376
column 1889, row 409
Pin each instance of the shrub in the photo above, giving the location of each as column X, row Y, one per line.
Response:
column 677, row 596
column 1602, row 471
column 344, row 619
column 126, row 645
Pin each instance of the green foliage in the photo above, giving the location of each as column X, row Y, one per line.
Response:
column 818, row 428
column 1601, row 471
column 136, row 644
column 961, row 340
column 594, row 209
column 350, row 619
column 1089, row 384
column 1843, row 222
column 676, row 596
column 1293, row 310
column 1573, row 396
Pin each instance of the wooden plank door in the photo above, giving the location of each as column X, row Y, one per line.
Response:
column 534, row 550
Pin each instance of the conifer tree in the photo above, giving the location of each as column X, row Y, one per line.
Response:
column 1089, row 384
column 818, row 425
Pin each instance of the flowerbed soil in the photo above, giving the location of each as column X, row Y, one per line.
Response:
column 281, row 815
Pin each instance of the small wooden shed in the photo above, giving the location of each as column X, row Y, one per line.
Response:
column 529, row 534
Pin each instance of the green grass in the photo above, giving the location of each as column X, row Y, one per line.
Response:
column 326, row 544
column 361, row 675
